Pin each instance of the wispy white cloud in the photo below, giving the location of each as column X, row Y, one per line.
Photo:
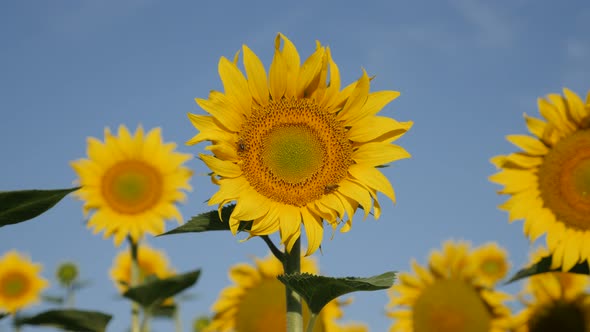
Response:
column 493, row 27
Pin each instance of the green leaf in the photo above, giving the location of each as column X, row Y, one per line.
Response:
column 69, row 320
column 59, row 300
column 3, row 314
column 22, row 205
column 164, row 311
column 209, row 221
column 156, row 291
column 317, row 291
column 543, row 266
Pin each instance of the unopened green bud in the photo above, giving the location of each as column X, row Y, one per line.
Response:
column 67, row 273
column 201, row 323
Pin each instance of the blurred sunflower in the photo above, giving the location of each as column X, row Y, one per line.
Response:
column 549, row 181
column 292, row 147
column 256, row 303
column 132, row 183
column 555, row 301
column 448, row 296
column 20, row 282
column 491, row 262
column 152, row 263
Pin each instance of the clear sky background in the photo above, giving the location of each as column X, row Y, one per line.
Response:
column 466, row 70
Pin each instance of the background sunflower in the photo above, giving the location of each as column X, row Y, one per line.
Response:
column 20, row 282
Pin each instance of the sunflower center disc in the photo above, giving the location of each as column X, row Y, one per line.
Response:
column 491, row 267
column 564, row 180
column 132, row 187
column 560, row 316
column 292, row 151
column 450, row 305
column 13, row 285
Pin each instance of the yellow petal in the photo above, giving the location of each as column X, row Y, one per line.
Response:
column 222, row 107
column 553, row 116
column 372, row 127
column 355, row 102
column 528, row 144
column 221, row 167
column 209, row 130
column 372, row 178
column 309, row 71
column 290, row 221
column 535, row 126
column 278, row 76
column 333, row 89
column 256, row 76
column 576, row 107
column 375, row 154
column 358, row 193
column 292, row 62
column 314, row 230
column 234, row 83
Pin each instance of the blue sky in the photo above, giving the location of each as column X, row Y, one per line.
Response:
column 466, row 70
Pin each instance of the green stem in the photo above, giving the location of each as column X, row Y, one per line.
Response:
column 311, row 323
column 14, row 322
column 145, row 322
column 69, row 302
column 292, row 264
column 177, row 320
column 275, row 251
column 134, row 282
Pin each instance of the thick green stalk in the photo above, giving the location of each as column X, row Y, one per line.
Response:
column 292, row 264
column 177, row 320
column 311, row 323
column 134, row 282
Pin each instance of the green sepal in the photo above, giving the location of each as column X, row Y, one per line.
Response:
column 210, row 221
column 22, row 205
column 317, row 291
column 3, row 314
column 69, row 320
column 153, row 293
column 544, row 265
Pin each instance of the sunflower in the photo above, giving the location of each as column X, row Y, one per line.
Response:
column 491, row 262
column 20, row 282
column 256, row 303
column 554, row 301
column 132, row 183
column 292, row 148
column 448, row 296
column 549, row 180
column 152, row 263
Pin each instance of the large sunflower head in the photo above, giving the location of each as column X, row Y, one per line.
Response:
column 292, row 147
column 256, row 301
column 447, row 296
column 554, row 301
column 549, row 180
column 20, row 282
column 132, row 182
column 152, row 263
